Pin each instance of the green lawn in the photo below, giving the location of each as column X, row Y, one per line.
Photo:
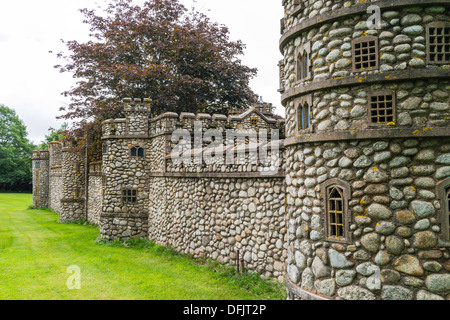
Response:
column 36, row 251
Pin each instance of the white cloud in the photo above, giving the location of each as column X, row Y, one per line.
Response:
column 30, row 85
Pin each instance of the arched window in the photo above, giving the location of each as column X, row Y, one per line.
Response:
column 304, row 116
column 443, row 191
column 336, row 193
column 303, row 113
column 335, row 212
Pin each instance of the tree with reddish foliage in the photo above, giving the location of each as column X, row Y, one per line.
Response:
column 178, row 58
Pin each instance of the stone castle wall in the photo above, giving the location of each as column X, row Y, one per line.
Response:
column 367, row 204
column 209, row 209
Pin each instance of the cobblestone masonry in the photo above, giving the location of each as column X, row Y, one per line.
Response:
column 354, row 202
column 367, row 201
column 208, row 209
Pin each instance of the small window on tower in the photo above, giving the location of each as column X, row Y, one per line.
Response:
column 137, row 152
column 303, row 62
column 304, row 116
column 129, row 196
column 365, row 53
column 438, row 43
column 336, row 194
column 37, row 165
column 382, row 108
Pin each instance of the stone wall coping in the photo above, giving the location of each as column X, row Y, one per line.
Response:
column 165, row 115
column 129, row 136
column 204, row 116
column 187, row 115
column 241, row 175
column 388, row 133
column 220, row 117
column 122, row 215
column 111, row 121
column 72, row 200
column 343, row 12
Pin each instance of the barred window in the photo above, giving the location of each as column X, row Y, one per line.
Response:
column 336, row 193
column 254, row 121
column 37, row 164
column 335, row 212
column 365, row 53
column 382, row 108
column 129, row 196
column 438, row 43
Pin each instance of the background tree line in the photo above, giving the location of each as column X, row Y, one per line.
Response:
column 16, row 151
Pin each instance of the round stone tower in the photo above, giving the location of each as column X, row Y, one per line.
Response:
column 366, row 89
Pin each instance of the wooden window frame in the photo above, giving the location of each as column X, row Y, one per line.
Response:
column 359, row 41
column 379, row 93
column 443, row 189
column 138, row 149
column 430, row 44
column 300, row 109
column 346, row 192
column 303, row 64
column 128, row 196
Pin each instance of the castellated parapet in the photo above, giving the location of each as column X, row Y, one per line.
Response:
column 367, row 149
column 207, row 185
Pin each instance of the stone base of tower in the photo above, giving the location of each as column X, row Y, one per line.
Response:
column 115, row 226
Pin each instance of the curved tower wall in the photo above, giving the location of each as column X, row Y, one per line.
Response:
column 40, row 163
column 367, row 149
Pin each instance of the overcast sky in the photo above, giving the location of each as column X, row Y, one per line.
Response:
column 29, row 29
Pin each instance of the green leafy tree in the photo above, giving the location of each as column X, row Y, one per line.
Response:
column 179, row 58
column 54, row 135
column 15, row 152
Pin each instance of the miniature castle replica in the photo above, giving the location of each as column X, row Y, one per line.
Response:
column 164, row 179
column 352, row 203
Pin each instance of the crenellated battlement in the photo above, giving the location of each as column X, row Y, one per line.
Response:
column 137, row 121
column 40, row 155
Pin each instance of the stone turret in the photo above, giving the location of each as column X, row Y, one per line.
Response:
column 126, row 154
column 367, row 149
column 40, row 163
column 74, row 182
